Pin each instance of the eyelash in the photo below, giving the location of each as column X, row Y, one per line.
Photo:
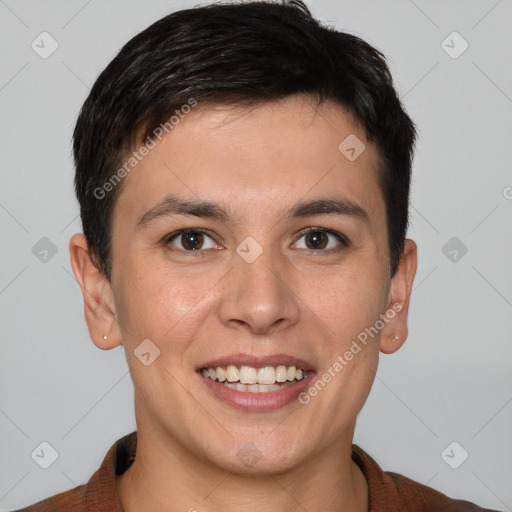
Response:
column 344, row 241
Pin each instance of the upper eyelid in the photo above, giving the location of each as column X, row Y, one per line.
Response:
column 343, row 239
column 175, row 234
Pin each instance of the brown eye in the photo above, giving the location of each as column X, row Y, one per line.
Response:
column 320, row 239
column 191, row 240
column 316, row 240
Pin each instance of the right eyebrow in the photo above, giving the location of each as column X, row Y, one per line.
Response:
column 171, row 205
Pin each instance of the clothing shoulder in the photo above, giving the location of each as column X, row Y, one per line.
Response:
column 391, row 492
column 66, row 501
column 414, row 494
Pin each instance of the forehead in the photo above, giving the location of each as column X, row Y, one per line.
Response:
column 250, row 157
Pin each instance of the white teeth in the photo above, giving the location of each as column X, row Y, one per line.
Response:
column 250, row 378
column 221, row 374
column 232, row 373
column 281, row 374
column 267, row 375
column 248, row 375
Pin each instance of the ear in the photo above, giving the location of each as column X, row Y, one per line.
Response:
column 398, row 300
column 99, row 307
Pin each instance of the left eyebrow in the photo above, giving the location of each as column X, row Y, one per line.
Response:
column 327, row 207
column 172, row 205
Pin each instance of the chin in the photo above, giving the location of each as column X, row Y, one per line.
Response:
column 255, row 455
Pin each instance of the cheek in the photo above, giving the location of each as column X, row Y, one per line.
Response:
column 160, row 303
column 166, row 309
column 344, row 382
column 346, row 300
column 354, row 306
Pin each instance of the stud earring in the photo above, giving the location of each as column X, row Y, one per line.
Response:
column 396, row 338
column 105, row 336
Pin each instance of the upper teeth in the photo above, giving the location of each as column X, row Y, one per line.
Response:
column 250, row 375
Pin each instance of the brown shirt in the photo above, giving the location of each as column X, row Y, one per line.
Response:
column 387, row 492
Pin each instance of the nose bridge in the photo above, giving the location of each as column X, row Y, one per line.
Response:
column 262, row 276
column 257, row 295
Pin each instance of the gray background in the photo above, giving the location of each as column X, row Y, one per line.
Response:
column 451, row 381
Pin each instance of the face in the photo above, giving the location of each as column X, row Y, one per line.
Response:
column 246, row 238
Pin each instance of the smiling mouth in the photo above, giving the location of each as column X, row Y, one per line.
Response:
column 255, row 380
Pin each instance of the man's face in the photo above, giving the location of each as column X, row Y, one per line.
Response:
column 209, row 298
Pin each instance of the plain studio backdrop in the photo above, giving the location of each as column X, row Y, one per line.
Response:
column 440, row 410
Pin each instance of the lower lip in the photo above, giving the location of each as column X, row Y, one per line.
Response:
column 258, row 402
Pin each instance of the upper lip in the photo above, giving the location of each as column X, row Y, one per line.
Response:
column 257, row 361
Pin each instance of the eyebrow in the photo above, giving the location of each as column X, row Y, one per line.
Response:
column 171, row 205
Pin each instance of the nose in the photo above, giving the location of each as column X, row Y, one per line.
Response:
column 259, row 296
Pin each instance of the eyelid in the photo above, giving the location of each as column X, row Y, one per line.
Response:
column 169, row 238
column 344, row 241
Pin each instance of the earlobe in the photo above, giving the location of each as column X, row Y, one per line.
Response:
column 99, row 307
column 391, row 344
column 395, row 332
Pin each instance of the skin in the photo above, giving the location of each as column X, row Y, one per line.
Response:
column 258, row 163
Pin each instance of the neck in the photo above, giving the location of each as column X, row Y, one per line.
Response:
column 166, row 477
